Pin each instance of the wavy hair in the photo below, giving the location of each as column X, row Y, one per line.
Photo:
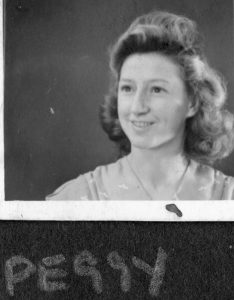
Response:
column 209, row 134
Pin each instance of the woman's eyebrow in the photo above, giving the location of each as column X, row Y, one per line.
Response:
column 158, row 79
column 126, row 79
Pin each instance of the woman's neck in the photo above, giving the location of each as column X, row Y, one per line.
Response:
column 158, row 166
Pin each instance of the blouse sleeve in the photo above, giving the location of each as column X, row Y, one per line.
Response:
column 229, row 188
column 76, row 189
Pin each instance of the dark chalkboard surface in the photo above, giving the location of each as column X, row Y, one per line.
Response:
column 116, row 260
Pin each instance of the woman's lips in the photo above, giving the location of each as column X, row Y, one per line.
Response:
column 141, row 124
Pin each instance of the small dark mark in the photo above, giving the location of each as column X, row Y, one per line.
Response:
column 173, row 208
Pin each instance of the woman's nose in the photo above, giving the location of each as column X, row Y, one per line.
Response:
column 140, row 103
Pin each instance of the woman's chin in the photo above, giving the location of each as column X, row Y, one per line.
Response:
column 142, row 145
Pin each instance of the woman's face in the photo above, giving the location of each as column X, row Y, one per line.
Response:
column 152, row 101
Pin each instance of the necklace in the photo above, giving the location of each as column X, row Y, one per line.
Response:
column 177, row 190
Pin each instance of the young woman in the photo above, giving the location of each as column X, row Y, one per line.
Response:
column 165, row 112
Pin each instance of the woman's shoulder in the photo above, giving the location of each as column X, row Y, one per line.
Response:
column 223, row 185
column 71, row 190
column 89, row 186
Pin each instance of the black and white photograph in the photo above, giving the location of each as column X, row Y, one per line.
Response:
column 118, row 100
column 123, row 100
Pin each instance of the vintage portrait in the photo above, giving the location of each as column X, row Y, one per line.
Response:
column 117, row 133
column 165, row 112
column 118, row 101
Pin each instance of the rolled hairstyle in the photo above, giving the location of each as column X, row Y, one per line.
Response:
column 209, row 133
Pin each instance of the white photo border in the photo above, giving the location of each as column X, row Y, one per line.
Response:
column 116, row 210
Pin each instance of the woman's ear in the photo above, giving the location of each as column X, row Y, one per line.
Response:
column 192, row 109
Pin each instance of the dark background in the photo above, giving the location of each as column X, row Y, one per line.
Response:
column 199, row 264
column 56, row 76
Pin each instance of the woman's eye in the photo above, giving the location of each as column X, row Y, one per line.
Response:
column 126, row 88
column 156, row 89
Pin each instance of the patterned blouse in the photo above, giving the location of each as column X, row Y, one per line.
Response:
column 117, row 181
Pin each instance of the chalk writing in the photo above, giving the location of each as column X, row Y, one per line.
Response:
column 85, row 257
column 13, row 278
column 45, row 274
column 117, row 263
column 157, row 272
column 19, row 268
column 53, row 260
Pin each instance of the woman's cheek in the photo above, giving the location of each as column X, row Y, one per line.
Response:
column 124, row 106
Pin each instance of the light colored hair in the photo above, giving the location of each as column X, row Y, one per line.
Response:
column 209, row 134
